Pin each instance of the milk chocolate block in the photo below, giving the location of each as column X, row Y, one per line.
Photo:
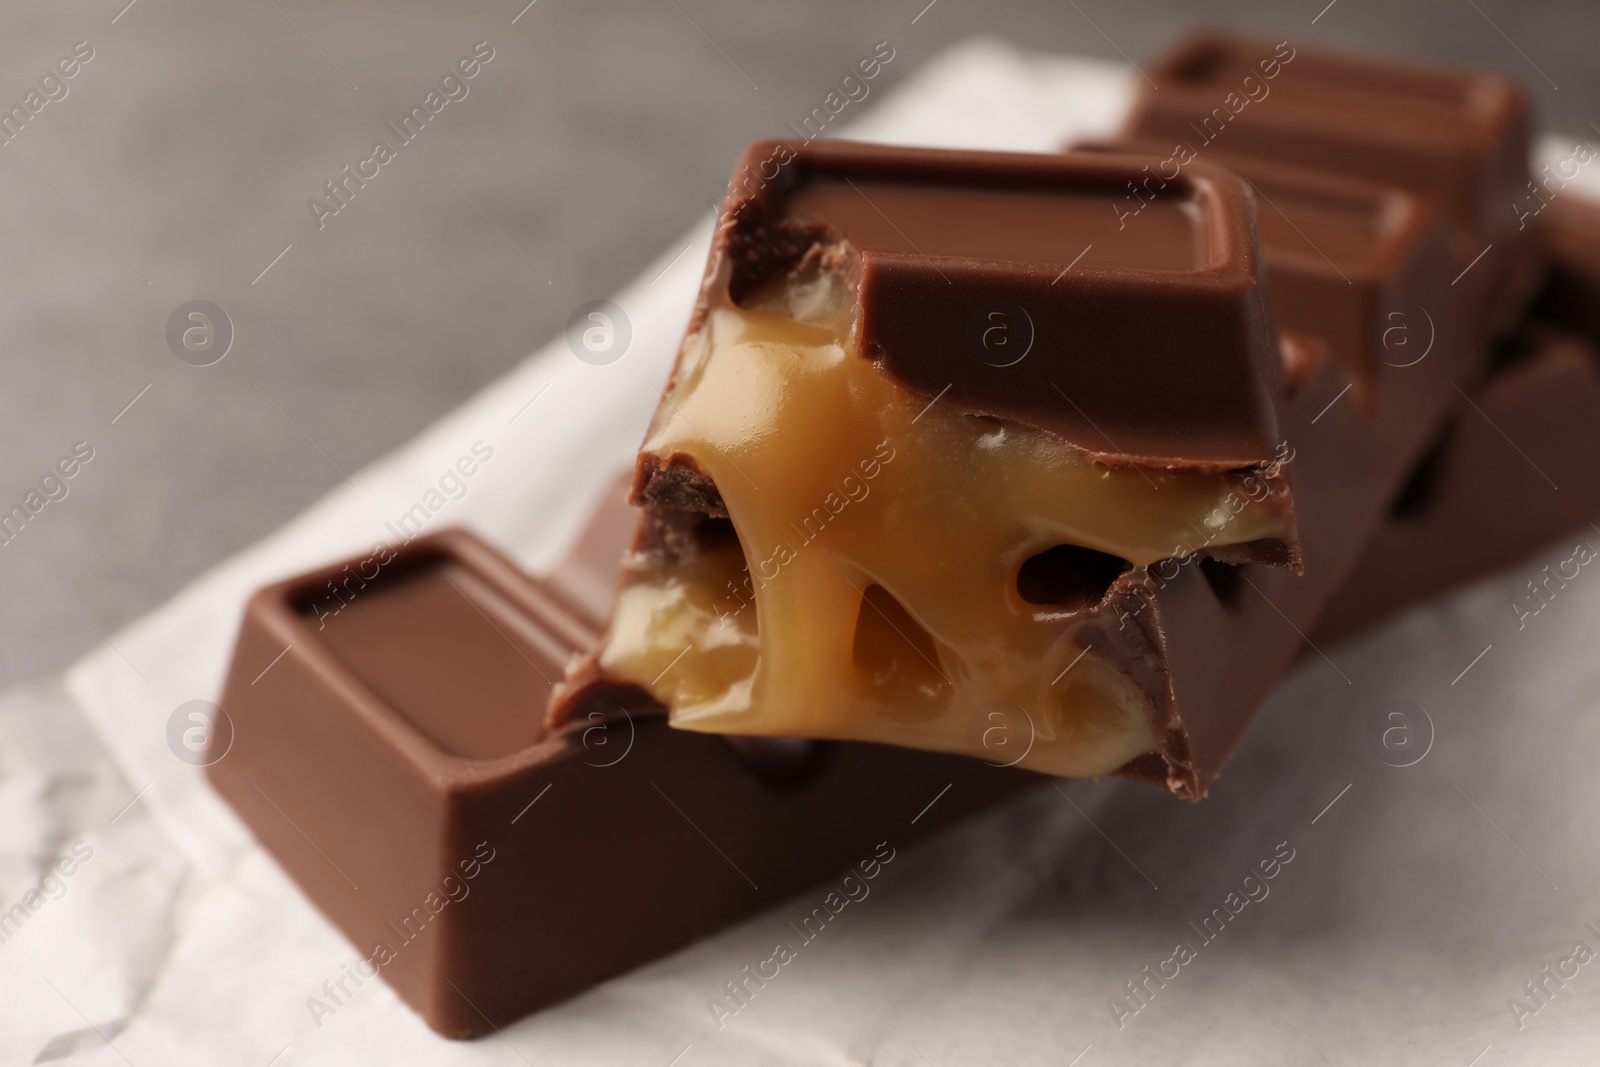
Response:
column 1458, row 138
column 394, row 761
column 838, row 543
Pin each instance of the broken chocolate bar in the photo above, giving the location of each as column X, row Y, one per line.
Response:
column 394, row 762
column 917, row 427
column 966, row 565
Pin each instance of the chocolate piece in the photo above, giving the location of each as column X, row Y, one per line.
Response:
column 1485, row 494
column 391, row 758
column 1458, row 138
column 1347, row 260
column 1361, row 271
column 940, row 247
column 1130, row 397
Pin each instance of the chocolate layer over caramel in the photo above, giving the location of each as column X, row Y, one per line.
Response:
column 1007, row 285
column 918, row 439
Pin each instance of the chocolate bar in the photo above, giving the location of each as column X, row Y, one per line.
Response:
column 882, row 622
column 394, row 762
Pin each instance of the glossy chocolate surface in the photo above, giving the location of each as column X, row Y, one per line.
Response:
column 1459, row 138
column 1476, row 501
column 1350, row 262
column 1165, row 303
column 394, row 764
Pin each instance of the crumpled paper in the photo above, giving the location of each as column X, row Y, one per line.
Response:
column 1323, row 906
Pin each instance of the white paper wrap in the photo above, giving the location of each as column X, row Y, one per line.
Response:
column 1399, row 926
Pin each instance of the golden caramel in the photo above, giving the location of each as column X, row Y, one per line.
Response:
column 873, row 590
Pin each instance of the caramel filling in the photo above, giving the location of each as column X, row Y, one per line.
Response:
column 902, row 572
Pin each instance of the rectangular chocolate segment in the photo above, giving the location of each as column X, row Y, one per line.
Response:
column 989, row 278
column 394, row 763
column 1000, row 224
column 418, row 640
column 1514, row 471
column 1352, row 264
column 1457, row 138
column 1478, row 501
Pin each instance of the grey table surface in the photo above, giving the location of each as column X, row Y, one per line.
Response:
column 179, row 162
